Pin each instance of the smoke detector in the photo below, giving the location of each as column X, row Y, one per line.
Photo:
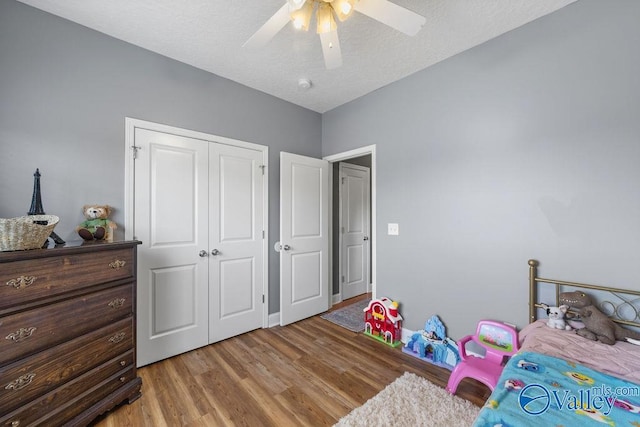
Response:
column 304, row 84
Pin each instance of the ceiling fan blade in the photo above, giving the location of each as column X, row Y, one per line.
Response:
column 269, row 29
column 403, row 20
column 331, row 49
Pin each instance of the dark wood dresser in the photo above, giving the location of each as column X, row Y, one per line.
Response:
column 67, row 333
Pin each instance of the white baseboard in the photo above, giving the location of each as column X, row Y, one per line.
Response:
column 274, row 319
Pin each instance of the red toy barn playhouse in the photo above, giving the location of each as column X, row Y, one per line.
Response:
column 383, row 322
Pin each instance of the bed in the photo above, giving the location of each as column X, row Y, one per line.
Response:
column 559, row 378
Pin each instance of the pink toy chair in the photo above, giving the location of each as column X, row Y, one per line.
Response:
column 500, row 342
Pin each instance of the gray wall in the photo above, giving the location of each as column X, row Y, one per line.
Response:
column 527, row 146
column 65, row 91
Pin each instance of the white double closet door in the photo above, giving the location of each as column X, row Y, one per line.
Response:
column 198, row 210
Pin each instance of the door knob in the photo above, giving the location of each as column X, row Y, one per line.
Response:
column 215, row 252
column 366, row 238
column 203, row 253
column 286, row 247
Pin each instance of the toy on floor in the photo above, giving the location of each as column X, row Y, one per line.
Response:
column 499, row 341
column 383, row 322
column 433, row 346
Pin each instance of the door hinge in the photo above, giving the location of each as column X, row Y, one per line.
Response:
column 262, row 167
column 134, row 149
column 263, row 299
column 342, row 230
column 343, row 179
column 342, row 279
column 263, row 234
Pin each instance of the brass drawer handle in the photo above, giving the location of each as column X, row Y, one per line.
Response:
column 22, row 282
column 21, row 382
column 123, row 363
column 21, row 334
column 117, row 303
column 15, row 423
column 117, row 338
column 123, row 379
column 117, row 264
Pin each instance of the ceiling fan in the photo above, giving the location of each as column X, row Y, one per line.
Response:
column 301, row 11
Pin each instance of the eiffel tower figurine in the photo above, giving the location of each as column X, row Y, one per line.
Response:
column 37, row 209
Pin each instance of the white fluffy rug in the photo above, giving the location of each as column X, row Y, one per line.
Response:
column 412, row 401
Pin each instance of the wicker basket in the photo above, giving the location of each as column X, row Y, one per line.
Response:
column 22, row 233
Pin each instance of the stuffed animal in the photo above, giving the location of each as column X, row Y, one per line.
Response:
column 597, row 326
column 97, row 225
column 556, row 317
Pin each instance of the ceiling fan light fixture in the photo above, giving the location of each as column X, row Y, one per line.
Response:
column 296, row 4
column 343, row 8
column 301, row 17
column 301, row 11
column 324, row 16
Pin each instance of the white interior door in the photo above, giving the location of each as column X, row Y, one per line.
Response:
column 171, row 193
column 236, row 241
column 304, row 237
column 354, row 229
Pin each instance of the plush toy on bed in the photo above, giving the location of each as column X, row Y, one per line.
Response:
column 97, row 225
column 556, row 316
column 597, row 326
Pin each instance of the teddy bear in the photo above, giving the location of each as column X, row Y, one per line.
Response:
column 97, row 225
column 556, row 317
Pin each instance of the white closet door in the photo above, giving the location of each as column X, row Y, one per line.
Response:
column 171, row 203
column 235, row 241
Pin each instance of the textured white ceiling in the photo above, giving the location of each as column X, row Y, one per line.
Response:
column 209, row 34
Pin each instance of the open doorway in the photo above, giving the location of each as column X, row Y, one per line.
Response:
column 352, row 225
column 356, row 161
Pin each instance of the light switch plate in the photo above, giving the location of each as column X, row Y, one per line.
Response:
column 392, row 229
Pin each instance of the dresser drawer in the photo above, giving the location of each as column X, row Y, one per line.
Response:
column 62, row 404
column 32, row 279
column 31, row 377
column 25, row 333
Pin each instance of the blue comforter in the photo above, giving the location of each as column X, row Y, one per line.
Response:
column 539, row 390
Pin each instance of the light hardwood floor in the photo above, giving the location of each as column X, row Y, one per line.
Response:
column 310, row 373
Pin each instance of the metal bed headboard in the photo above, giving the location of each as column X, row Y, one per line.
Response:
column 628, row 298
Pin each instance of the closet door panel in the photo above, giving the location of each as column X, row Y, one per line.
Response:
column 171, row 220
column 236, row 241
